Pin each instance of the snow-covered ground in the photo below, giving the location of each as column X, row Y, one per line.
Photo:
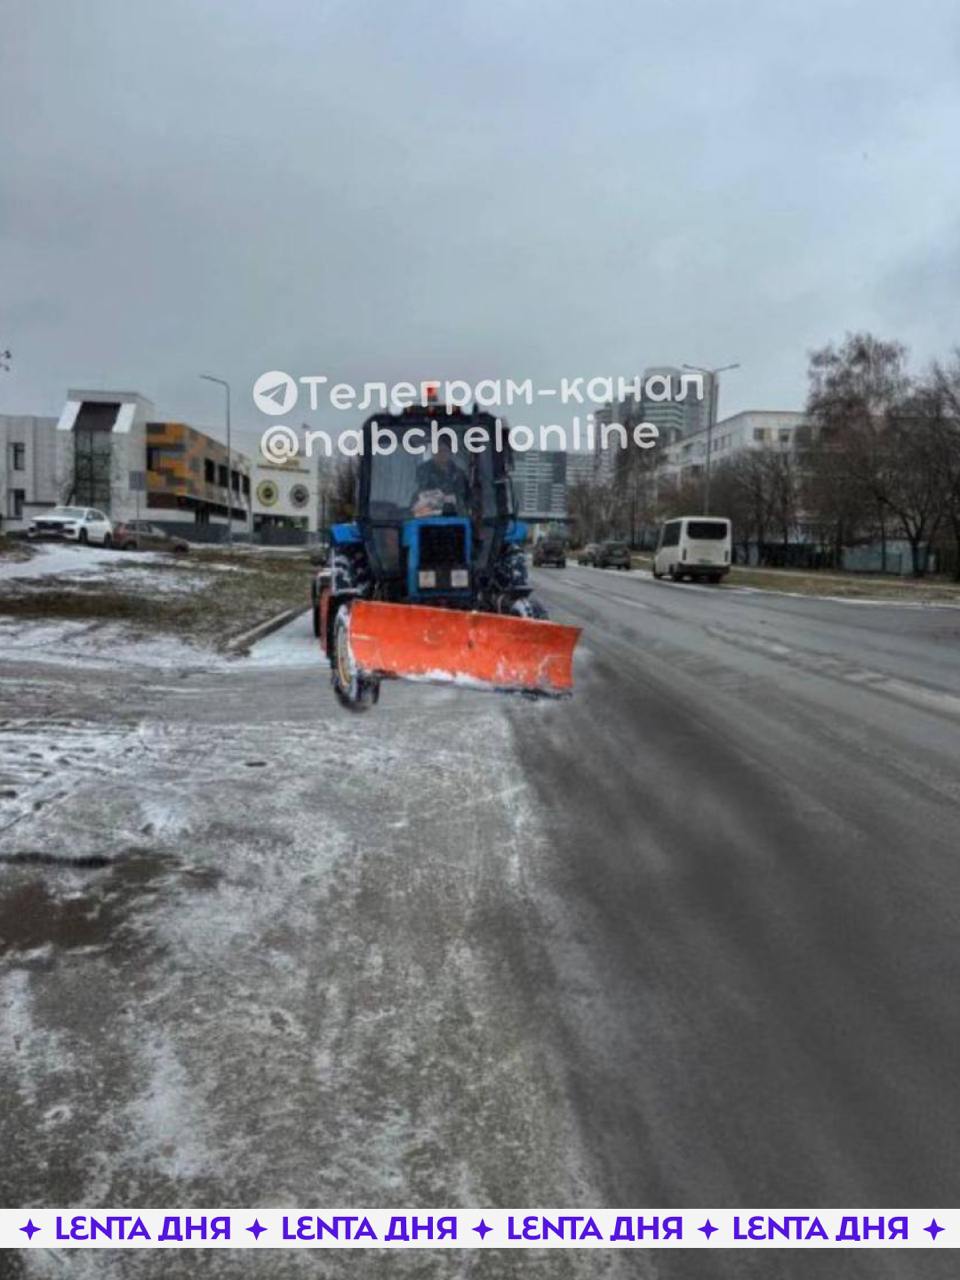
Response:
column 60, row 559
column 291, row 646
column 92, row 642
column 257, row 950
column 85, row 645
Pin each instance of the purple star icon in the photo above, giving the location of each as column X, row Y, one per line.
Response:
column 934, row 1228
column 708, row 1228
column 256, row 1230
column 30, row 1230
column 482, row 1229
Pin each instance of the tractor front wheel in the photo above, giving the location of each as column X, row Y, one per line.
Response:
column 528, row 607
column 354, row 691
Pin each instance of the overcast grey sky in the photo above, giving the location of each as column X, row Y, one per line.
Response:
column 406, row 190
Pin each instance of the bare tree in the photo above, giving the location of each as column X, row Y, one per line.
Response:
column 910, row 480
column 729, row 497
column 782, row 501
column 635, row 490
column 747, row 492
column 582, row 511
column 943, row 384
column 344, row 489
column 854, row 389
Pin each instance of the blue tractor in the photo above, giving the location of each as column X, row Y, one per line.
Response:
column 429, row 581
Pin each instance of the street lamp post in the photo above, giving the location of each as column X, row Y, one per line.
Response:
column 208, row 377
column 711, row 422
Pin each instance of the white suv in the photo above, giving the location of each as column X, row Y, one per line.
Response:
column 75, row 524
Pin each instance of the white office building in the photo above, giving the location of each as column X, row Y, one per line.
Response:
column 28, row 468
column 750, row 430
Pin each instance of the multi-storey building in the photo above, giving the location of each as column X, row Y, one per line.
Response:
column 106, row 450
column 750, row 430
column 28, row 468
column 686, row 409
column 189, row 477
column 540, row 483
column 581, row 468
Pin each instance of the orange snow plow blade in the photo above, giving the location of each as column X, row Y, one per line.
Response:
column 490, row 650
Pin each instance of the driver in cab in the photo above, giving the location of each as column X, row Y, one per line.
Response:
column 441, row 483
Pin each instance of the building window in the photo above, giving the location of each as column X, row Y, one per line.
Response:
column 15, row 503
column 246, row 486
column 18, row 457
column 784, row 435
column 759, row 434
column 222, row 476
column 209, row 471
column 153, row 454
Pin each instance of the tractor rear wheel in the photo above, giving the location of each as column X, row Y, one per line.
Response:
column 354, row 691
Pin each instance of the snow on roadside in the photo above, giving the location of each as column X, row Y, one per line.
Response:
column 98, row 644
column 293, row 645
column 55, row 560
column 156, row 570
column 300, row 995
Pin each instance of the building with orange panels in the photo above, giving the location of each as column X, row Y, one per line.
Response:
column 187, row 476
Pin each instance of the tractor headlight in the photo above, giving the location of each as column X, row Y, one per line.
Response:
column 459, row 578
column 427, row 578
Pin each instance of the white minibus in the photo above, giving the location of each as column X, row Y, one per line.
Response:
column 694, row 547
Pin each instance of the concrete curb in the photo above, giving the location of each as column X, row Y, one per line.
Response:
column 242, row 642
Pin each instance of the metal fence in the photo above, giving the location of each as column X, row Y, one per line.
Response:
column 216, row 535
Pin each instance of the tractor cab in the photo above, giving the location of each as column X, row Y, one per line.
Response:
column 435, row 504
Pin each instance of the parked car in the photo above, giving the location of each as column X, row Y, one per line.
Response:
column 73, row 524
column 148, row 536
column 550, row 550
column 694, row 547
column 588, row 554
column 613, row 555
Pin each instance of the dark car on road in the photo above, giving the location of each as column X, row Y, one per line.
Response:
column 550, row 550
column 146, row 536
column 613, row 555
column 606, row 555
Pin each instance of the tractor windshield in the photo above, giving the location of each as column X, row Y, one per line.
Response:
column 449, row 480
column 425, row 477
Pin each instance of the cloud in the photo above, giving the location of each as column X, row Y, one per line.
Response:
column 387, row 192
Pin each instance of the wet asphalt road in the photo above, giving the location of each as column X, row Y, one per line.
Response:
column 756, row 851
column 687, row 939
